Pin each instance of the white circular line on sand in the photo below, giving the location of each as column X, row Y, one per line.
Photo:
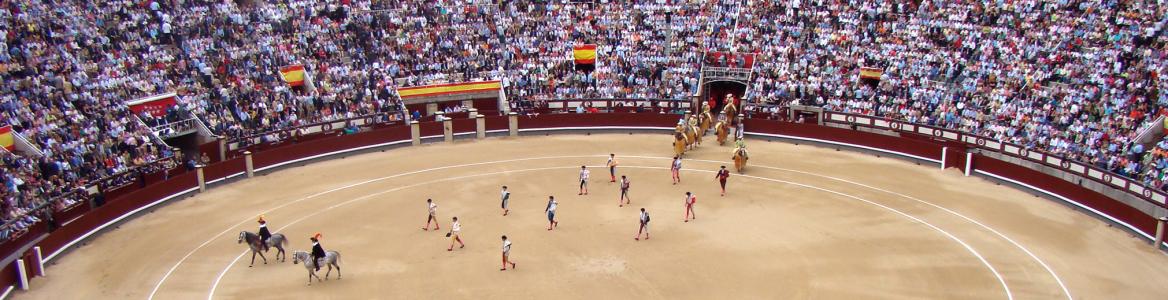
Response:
column 1005, row 287
column 1050, row 270
column 205, row 243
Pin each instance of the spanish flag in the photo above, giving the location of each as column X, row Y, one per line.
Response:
column 584, row 54
column 293, row 75
column 871, row 73
column 6, row 138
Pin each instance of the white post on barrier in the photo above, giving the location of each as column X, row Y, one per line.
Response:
column 247, row 162
column 447, row 127
column 513, row 124
column 415, row 133
column 471, row 113
column 222, row 149
column 480, row 126
column 40, row 261
column 202, row 179
column 1159, row 232
column 741, row 118
column 23, row 273
column 968, row 163
column 944, row 153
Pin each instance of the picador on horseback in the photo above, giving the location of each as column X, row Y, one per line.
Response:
column 317, row 251
column 264, row 234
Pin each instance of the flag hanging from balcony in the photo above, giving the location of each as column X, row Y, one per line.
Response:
column 6, row 139
column 293, row 75
column 584, row 54
column 155, row 106
column 584, row 57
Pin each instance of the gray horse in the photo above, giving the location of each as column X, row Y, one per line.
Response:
column 331, row 259
column 253, row 241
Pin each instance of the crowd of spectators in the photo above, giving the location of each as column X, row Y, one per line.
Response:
column 1074, row 78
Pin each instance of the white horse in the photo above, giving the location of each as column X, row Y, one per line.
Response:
column 253, row 241
column 331, row 259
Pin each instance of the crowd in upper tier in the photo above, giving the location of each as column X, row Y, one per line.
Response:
column 1075, row 78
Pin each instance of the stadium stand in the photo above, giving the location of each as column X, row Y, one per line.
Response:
column 1073, row 78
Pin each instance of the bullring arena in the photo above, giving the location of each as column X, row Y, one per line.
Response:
column 878, row 149
column 803, row 222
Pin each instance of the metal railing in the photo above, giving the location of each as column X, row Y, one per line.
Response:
column 173, row 129
column 325, row 127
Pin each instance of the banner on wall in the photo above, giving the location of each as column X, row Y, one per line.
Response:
column 155, row 106
column 449, row 89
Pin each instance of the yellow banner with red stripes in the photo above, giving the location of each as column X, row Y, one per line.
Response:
column 293, row 75
column 450, row 88
column 871, row 73
column 584, row 54
column 7, row 140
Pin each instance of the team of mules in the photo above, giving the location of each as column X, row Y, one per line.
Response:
column 740, row 158
column 278, row 241
column 689, row 132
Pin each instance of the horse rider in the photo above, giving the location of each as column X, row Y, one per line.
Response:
column 740, row 145
column 317, row 251
column 264, row 234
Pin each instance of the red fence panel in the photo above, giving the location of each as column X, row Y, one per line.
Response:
column 1071, row 191
column 114, row 209
column 430, row 128
column 916, row 148
column 497, row 123
column 463, row 125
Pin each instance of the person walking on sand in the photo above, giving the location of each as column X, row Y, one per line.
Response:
column 611, row 167
column 507, row 254
column 583, row 180
column 455, row 229
column 690, row 199
column 624, row 192
column 675, row 168
column 505, row 196
column 551, row 212
column 433, row 216
column 721, row 176
column 644, row 225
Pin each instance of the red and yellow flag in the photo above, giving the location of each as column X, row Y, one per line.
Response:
column 293, row 75
column 6, row 139
column 871, row 73
column 449, row 89
column 584, row 54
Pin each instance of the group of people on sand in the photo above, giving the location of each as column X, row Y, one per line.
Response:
column 643, row 218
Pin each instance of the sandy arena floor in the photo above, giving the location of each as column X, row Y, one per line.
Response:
column 803, row 223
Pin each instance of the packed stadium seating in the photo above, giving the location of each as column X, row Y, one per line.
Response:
column 1070, row 78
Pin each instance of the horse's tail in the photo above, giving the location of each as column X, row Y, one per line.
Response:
column 283, row 240
column 338, row 256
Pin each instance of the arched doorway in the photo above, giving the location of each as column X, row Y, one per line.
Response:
column 714, row 93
